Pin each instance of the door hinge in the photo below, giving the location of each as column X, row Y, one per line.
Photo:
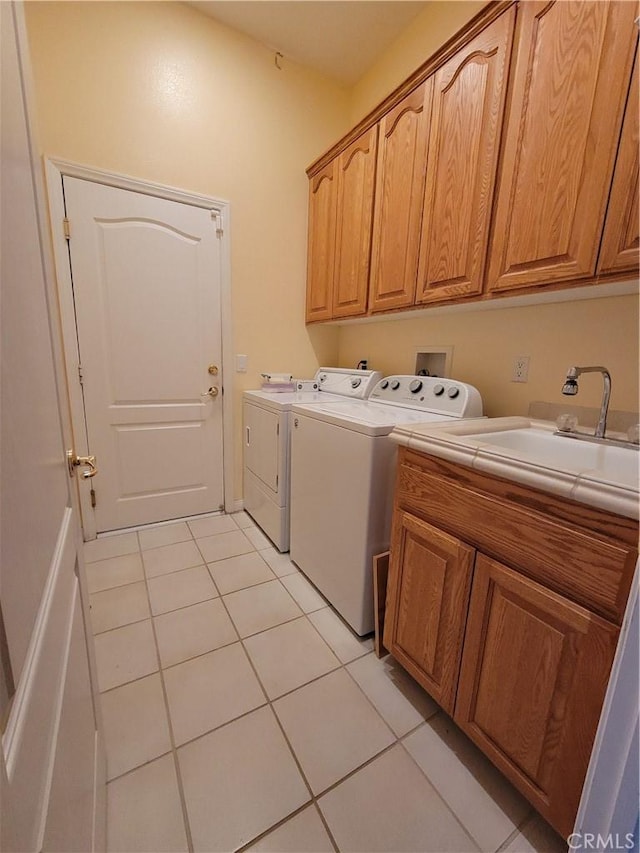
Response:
column 93, row 498
column 277, row 479
column 80, row 374
column 217, row 217
column 67, row 228
column 277, row 429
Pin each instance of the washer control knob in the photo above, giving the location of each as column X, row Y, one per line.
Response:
column 438, row 390
column 453, row 392
column 355, row 382
column 384, row 384
column 415, row 385
column 395, row 385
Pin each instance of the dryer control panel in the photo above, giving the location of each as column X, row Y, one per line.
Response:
column 429, row 394
column 356, row 384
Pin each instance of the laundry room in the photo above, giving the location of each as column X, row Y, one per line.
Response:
column 316, row 381
column 164, row 93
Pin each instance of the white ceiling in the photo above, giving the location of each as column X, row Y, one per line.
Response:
column 339, row 38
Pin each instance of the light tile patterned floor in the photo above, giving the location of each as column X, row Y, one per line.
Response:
column 240, row 713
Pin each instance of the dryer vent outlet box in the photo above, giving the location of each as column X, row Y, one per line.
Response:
column 434, row 361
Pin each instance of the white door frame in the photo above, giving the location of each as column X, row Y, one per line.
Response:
column 55, row 170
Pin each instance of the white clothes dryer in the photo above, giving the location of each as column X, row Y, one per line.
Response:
column 266, row 467
column 342, row 476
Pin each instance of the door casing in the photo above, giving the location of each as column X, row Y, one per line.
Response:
column 55, row 170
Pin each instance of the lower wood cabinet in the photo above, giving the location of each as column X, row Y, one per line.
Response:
column 430, row 588
column 515, row 643
column 534, row 673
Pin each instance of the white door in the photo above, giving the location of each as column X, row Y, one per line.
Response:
column 51, row 761
column 146, row 283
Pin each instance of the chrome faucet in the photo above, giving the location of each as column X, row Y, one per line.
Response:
column 570, row 388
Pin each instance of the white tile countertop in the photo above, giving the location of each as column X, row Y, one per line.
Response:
column 527, row 451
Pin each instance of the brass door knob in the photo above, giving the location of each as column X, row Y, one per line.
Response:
column 74, row 461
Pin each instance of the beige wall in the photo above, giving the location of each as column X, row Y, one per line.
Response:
column 160, row 92
column 485, row 344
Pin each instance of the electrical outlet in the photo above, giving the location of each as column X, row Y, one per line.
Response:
column 520, row 369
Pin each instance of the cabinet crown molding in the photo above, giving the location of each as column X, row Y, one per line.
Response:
column 466, row 34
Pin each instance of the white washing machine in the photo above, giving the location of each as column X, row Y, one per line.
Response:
column 342, row 478
column 266, row 442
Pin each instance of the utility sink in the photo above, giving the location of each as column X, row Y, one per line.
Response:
column 542, row 447
column 529, row 452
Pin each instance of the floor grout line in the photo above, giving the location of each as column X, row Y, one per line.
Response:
column 466, row 831
column 156, row 525
column 112, row 557
column 238, row 639
column 174, row 751
column 397, row 740
column 289, row 746
column 314, row 797
column 267, row 703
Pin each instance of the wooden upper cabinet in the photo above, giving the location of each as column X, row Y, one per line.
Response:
column 569, row 87
column 356, row 182
column 534, row 672
column 323, row 195
column 402, row 158
column 621, row 239
column 427, row 599
column 468, row 106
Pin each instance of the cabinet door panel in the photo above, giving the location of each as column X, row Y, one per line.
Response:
column 468, row 105
column 534, row 672
column 568, row 94
column 427, row 598
column 402, row 157
column 323, row 197
column 621, row 239
column 357, row 171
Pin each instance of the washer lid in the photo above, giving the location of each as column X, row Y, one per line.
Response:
column 283, row 401
column 368, row 418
